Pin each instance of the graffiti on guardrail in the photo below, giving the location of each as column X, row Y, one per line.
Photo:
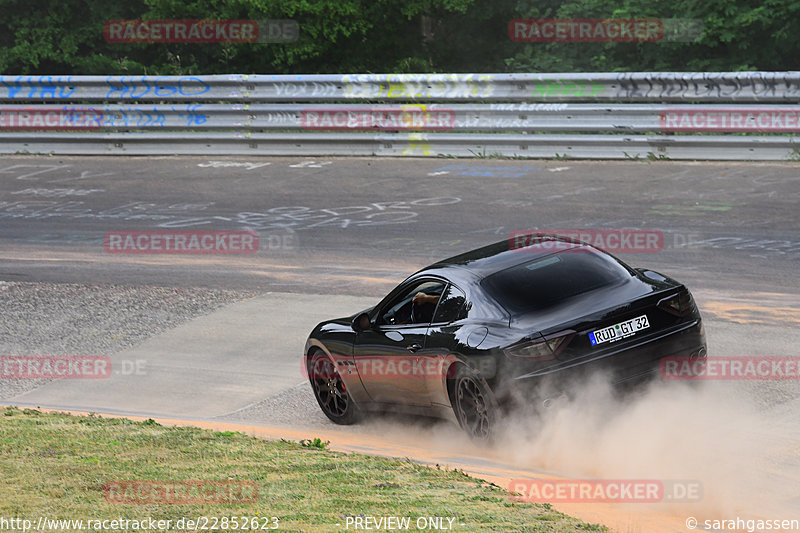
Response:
column 492, row 103
column 133, row 87
column 528, row 108
column 655, row 85
column 284, row 119
column 567, row 88
column 88, row 118
column 134, row 117
column 301, row 88
column 68, row 118
column 144, row 117
column 711, row 84
column 418, row 86
column 38, row 86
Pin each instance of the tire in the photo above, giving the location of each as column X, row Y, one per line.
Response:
column 330, row 390
column 474, row 405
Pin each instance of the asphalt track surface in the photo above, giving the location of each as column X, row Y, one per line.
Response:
column 337, row 234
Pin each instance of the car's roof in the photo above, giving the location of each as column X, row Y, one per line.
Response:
column 492, row 258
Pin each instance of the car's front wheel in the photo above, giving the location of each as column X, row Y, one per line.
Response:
column 474, row 405
column 330, row 390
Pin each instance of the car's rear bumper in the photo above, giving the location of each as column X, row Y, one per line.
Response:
column 628, row 364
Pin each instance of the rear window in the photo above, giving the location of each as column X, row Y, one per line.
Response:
column 545, row 281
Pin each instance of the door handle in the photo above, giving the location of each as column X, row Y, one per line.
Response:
column 413, row 347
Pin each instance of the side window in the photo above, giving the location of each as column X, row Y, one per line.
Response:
column 413, row 306
column 451, row 306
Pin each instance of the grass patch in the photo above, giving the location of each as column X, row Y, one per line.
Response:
column 56, row 465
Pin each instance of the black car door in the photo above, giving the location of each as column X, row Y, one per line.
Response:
column 390, row 356
column 446, row 336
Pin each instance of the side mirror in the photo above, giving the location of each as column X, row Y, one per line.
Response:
column 361, row 323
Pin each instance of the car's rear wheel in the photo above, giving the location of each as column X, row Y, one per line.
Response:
column 330, row 390
column 474, row 405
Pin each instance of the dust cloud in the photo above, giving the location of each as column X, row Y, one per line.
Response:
column 744, row 454
column 742, row 449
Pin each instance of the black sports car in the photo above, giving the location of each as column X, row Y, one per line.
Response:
column 475, row 334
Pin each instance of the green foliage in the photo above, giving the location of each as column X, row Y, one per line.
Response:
column 353, row 36
column 742, row 35
column 316, row 443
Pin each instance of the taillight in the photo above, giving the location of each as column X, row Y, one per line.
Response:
column 542, row 349
column 680, row 304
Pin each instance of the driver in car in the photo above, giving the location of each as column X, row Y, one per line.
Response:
column 426, row 305
column 422, row 298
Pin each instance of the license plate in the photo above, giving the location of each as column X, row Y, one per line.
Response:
column 619, row 331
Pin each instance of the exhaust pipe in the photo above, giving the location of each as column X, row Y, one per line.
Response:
column 699, row 354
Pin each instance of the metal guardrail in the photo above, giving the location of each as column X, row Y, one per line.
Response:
column 559, row 117
column 564, row 87
column 641, row 147
column 593, row 115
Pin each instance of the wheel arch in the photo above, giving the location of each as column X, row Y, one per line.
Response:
column 453, row 373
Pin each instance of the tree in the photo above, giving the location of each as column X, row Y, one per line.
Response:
column 386, row 36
